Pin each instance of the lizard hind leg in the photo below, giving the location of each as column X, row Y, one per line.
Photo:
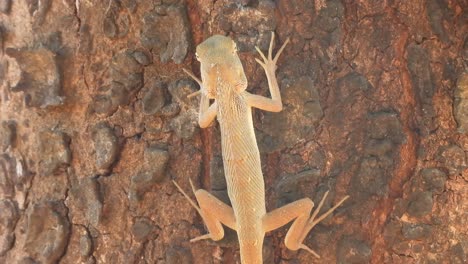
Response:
column 299, row 211
column 213, row 212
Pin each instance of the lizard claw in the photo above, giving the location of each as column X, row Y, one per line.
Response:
column 280, row 50
column 261, row 53
column 302, row 246
column 194, row 94
column 270, row 50
column 202, row 237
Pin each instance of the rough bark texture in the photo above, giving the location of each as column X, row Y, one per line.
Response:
column 95, row 123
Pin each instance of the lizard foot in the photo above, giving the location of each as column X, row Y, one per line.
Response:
column 313, row 221
column 195, row 78
column 270, row 62
column 187, row 197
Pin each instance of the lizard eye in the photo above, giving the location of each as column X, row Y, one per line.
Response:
column 196, row 55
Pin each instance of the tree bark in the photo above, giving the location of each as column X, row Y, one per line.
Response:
column 95, row 123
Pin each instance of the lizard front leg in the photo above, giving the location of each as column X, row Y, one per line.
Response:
column 269, row 65
column 303, row 223
column 207, row 112
column 213, row 212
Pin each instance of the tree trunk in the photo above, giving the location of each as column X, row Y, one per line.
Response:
column 95, row 123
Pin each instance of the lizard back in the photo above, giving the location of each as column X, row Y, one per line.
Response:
column 242, row 167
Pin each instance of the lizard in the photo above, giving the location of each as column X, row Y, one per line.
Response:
column 223, row 80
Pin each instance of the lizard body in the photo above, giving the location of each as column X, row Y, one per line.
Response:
column 223, row 80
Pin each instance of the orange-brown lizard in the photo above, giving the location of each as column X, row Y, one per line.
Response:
column 223, row 79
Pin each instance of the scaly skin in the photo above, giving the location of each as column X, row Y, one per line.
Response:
column 223, row 80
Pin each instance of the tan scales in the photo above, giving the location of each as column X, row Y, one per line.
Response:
column 223, row 79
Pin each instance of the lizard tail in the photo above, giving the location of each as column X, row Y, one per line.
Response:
column 251, row 251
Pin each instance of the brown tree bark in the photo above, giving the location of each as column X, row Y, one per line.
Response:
column 95, row 123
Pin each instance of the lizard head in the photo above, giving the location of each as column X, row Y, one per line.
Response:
column 221, row 67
